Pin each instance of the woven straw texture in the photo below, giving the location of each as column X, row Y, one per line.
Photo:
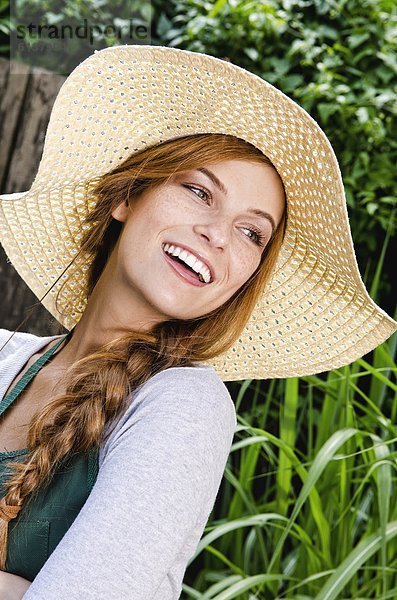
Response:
column 315, row 314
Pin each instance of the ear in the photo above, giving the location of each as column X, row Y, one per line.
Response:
column 120, row 213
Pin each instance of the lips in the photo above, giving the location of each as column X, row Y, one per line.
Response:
column 183, row 271
column 197, row 255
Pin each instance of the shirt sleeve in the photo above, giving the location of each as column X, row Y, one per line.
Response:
column 155, row 490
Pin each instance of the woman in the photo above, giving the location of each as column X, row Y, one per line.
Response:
column 201, row 234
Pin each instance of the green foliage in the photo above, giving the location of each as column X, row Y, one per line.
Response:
column 309, row 495
column 4, row 28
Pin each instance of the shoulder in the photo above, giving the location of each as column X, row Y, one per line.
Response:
column 11, row 341
column 21, row 341
column 6, row 334
column 198, row 386
column 197, row 390
column 191, row 403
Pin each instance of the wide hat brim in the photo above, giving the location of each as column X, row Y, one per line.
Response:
column 315, row 314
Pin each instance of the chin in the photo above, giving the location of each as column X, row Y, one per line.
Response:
column 181, row 314
column 169, row 307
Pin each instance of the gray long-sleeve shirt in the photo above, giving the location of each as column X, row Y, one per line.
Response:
column 159, row 475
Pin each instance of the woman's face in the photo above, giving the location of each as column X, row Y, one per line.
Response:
column 222, row 233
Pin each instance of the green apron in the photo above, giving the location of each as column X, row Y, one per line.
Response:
column 37, row 530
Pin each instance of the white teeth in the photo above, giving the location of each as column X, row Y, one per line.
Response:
column 190, row 260
column 197, row 265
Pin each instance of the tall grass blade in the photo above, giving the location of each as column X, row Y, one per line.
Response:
column 365, row 549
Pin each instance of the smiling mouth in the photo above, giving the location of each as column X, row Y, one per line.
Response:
column 188, row 263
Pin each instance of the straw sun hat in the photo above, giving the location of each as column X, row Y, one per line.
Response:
column 315, row 314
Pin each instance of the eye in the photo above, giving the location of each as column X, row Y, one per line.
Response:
column 255, row 235
column 205, row 195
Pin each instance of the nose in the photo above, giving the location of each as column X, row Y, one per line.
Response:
column 217, row 233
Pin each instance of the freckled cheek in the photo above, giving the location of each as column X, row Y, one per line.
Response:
column 168, row 214
column 244, row 267
column 153, row 225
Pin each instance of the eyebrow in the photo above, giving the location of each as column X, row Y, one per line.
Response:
column 217, row 182
column 221, row 187
column 264, row 215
